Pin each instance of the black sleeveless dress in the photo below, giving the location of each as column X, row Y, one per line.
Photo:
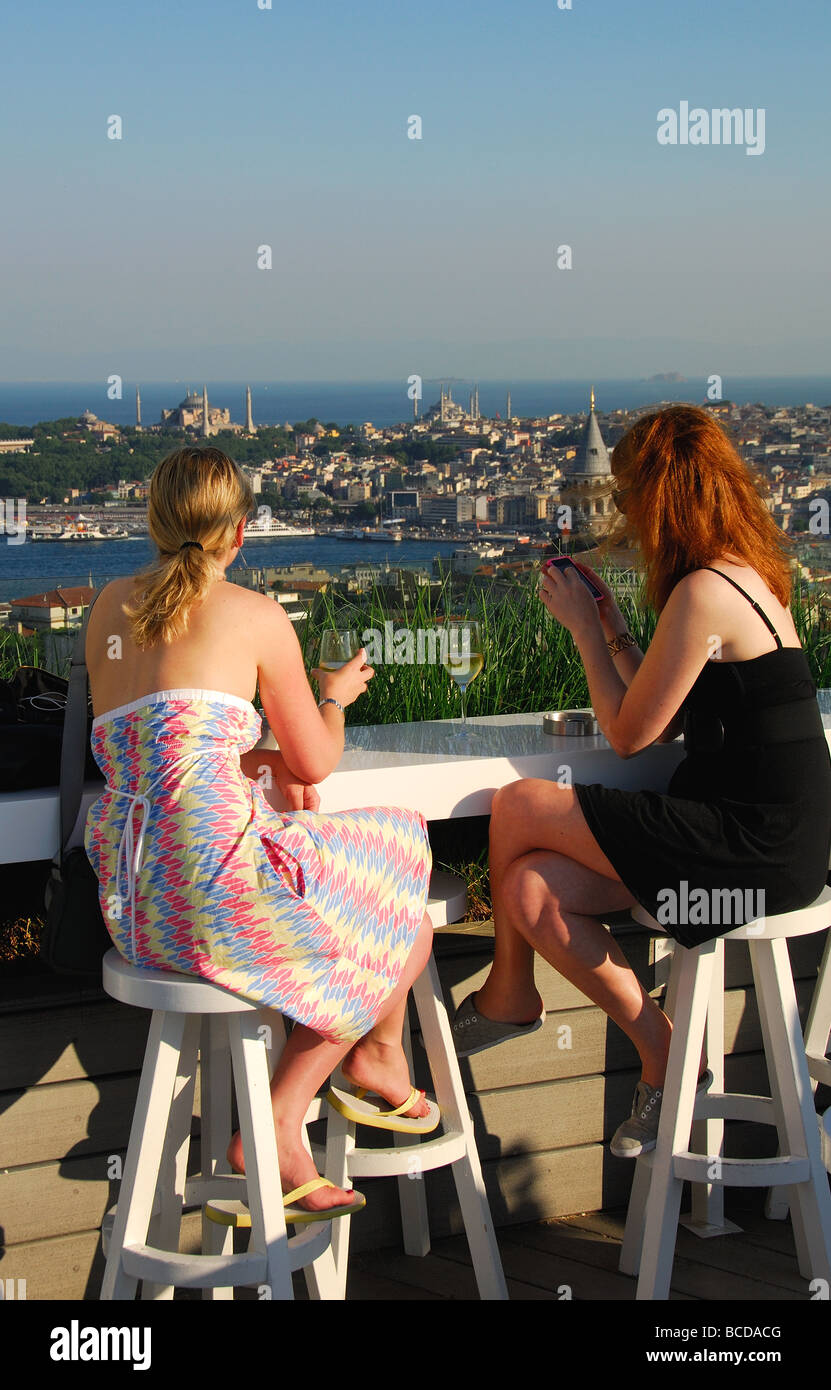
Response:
column 744, row 829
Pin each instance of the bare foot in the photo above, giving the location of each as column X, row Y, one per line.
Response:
column 382, row 1068
column 508, row 1005
column 296, row 1168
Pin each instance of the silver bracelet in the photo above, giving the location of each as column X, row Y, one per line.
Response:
column 336, row 703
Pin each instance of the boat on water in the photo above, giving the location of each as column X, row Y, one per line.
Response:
column 388, row 532
column 80, row 529
column 269, row 528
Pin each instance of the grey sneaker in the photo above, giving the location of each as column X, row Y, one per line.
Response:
column 639, row 1133
column 472, row 1032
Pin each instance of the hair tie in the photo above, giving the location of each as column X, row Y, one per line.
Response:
column 196, row 543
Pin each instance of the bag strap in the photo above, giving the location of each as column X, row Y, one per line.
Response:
column 74, row 742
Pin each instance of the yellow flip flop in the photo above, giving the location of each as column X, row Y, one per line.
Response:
column 352, row 1106
column 229, row 1212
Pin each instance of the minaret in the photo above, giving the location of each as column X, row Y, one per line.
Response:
column 415, row 406
column 508, row 415
column 441, row 416
column 591, row 407
column 205, row 412
column 249, row 418
column 138, row 409
column 477, row 402
column 473, row 405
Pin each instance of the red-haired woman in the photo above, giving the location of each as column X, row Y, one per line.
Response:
column 749, row 807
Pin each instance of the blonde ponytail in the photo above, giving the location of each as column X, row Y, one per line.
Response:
column 196, row 500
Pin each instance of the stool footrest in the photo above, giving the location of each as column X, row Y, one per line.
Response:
column 819, row 1068
column 192, row 1271
column 731, row 1105
column 199, row 1189
column 387, row 1163
column 741, row 1172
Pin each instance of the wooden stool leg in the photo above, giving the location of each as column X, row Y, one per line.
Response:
column 259, row 1142
column 216, row 1099
column 706, row 1217
column 144, row 1153
column 467, row 1171
column 340, row 1142
column 810, row 1202
column 661, row 1224
column 165, row 1226
column 415, row 1224
column 817, row 1034
column 818, row 1026
column 632, row 1246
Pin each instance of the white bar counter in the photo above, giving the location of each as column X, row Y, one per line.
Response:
column 423, row 767
column 426, row 767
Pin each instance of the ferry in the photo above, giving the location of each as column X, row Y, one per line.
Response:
column 269, row 528
column 378, row 534
column 77, row 530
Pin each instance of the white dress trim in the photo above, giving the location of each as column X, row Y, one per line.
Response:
column 223, row 696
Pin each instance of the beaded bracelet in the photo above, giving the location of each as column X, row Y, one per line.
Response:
column 336, row 703
column 619, row 644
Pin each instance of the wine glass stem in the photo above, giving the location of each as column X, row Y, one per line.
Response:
column 463, row 689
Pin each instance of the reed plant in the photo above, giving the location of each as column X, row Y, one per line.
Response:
column 531, row 662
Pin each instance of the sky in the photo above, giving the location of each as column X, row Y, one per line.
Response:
column 287, row 127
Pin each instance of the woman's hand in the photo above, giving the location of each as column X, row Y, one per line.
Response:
column 269, row 769
column 611, row 618
column 346, row 684
column 298, row 796
column 565, row 597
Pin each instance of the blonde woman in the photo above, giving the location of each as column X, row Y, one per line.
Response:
column 319, row 916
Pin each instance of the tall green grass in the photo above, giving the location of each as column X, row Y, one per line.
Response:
column 531, row 662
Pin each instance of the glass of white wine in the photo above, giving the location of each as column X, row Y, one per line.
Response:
column 337, row 646
column 463, row 659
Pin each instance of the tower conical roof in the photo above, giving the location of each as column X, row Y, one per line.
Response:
column 592, row 456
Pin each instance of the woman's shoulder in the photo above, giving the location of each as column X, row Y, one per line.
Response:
column 699, row 587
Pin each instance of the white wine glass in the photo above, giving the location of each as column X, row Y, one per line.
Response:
column 463, row 658
column 337, row 646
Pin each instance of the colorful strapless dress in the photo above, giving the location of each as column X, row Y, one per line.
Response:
column 307, row 913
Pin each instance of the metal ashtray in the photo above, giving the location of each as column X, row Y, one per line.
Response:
column 570, row 722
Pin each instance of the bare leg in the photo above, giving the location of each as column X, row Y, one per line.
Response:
column 548, row 878
column 377, row 1061
column 308, row 1059
column 545, row 887
column 532, row 815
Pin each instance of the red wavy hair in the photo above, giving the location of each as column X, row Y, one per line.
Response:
column 688, row 497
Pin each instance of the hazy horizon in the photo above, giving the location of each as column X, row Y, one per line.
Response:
column 288, row 128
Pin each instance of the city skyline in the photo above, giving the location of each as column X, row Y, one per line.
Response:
column 245, row 128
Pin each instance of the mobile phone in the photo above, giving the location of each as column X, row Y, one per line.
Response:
column 562, row 562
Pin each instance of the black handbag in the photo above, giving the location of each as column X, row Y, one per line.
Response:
column 32, row 711
column 75, row 936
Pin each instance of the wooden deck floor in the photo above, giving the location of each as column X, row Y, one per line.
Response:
column 577, row 1257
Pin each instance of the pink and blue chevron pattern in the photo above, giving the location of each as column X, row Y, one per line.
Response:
column 310, row 914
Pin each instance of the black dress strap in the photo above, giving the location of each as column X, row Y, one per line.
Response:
column 762, row 614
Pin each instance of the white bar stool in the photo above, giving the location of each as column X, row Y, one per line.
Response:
column 652, row 1219
column 142, row 1243
column 410, row 1156
column 817, row 1037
